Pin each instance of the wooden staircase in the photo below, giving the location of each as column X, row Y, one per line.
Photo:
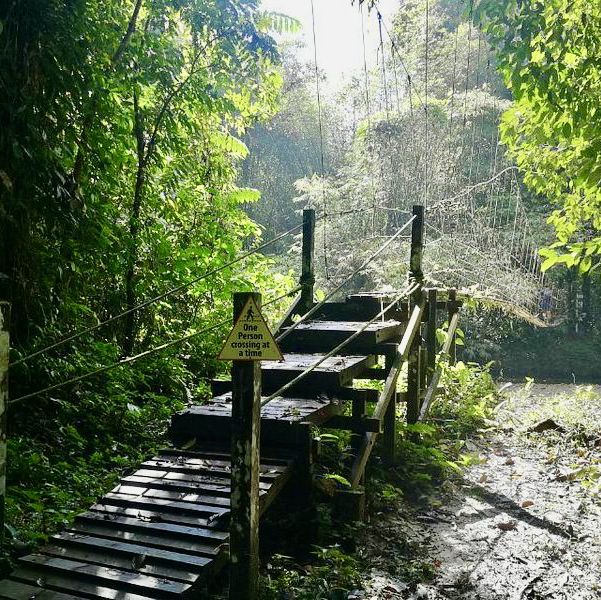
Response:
column 163, row 531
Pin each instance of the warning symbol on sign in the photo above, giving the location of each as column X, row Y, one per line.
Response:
column 250, row 338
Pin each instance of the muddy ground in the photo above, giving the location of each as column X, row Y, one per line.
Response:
column 523, row 523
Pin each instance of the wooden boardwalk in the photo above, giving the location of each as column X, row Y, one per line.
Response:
column 163, row 531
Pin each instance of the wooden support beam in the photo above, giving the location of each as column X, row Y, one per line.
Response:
column 307, row 279
column 414, row 366
column 431, row 332
column 417, row 245
column 245, row 510
column 452, row 309
column 414, row 380
column 433, row 388
column 389, row 421
column 4, row 352
column 389, row 388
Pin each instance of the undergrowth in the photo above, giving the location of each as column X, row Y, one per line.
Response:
column 428, row 455
column 67, row 453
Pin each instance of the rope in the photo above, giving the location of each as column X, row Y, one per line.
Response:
column 141, row 355
column 313, row 310
column 384, row 78
column 321, row 143
column 405, row 293
column 150, row 301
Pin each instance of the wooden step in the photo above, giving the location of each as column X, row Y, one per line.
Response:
column 323, row 336
column 85, row 577
column 330, row 375
column 16, row 590
column 279, row 419
column 161, row 533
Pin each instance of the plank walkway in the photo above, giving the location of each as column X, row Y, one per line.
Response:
column 163, row 531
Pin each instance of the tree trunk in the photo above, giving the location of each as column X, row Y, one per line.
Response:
column 134, row 232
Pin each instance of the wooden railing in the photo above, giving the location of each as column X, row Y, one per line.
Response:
column 418, row 349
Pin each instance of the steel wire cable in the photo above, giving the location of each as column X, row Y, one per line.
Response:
column 141, row 355
column 158, row 298
column 321, row 141
column 405, row 293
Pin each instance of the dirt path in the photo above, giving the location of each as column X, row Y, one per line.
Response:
column 521, row 524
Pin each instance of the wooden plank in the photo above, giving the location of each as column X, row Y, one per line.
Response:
column 265, row 459
column 203, row 463
column 220, row 386
column 323, row 336
column 210, row 513
column 332, row 373
column 154, row 516
column 128, row 524
column 129, row 581
column 139, row 563
column 188, row 562
column 182, row 492
column 366, row 395
column 167, row 468
column 183, row 474
column 70, row 585
column 16, row 590
column 390, row 385
column 143, row 538
column 349, row 423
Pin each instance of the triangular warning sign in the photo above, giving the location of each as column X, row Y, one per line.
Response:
column 250, row 338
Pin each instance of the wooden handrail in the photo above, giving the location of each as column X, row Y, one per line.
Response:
column 433, row 387
column 369, row 439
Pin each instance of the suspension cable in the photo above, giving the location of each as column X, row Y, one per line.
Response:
column 366, row 262
column 321, row 142
column 426, row 111
column 395, row 50
column 141, row 355
column 471, row 188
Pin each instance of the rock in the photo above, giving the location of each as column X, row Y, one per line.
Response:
column 507, row 525
column 546, row 425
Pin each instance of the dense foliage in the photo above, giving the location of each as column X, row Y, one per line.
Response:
column 120, row 135
column 548, row 55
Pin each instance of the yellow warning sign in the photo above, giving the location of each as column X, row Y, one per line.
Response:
column 250, row 338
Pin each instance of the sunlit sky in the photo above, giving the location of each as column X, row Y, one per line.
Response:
column 338, row 32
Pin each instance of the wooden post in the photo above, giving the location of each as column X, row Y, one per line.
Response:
column 246, row 423
column 417, row 248
column 431, row 332
column 389, row 436
column 4, row 351
column 307, row 279
column 416, row 275
column 451, row 310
